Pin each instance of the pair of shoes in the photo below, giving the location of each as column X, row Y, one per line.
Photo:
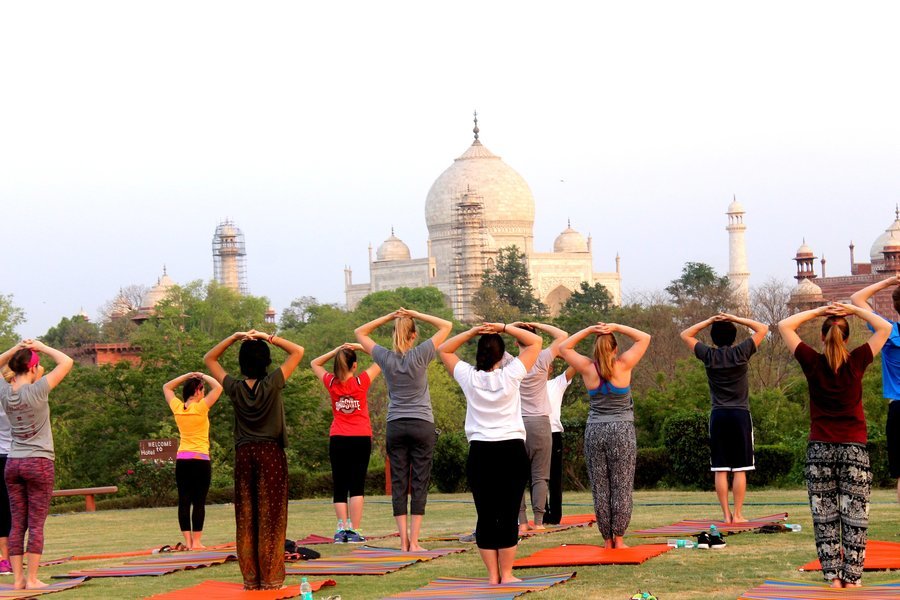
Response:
column 353, row 537
column 5, row 567
column 340, row 537
column 467, row 539
column 705, row 541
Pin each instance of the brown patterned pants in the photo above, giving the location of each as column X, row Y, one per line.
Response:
column 260, row 511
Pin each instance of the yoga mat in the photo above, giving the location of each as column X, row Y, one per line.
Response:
column 313, row 539
column 697, row 526
column 792, row 590
column 572, row 555
column 161, row 564
column 368, row 561
column 7, row 591
column 554, row 529
column 56, row 561
column 880, row 556
column 221, row 590
column 580, row 520
column 450, row 588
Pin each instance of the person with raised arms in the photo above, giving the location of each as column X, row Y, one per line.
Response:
column 730, row 423
column 610, row 444
column 193, row 468
column 29, row 472
column 838, row 473
column 260, row 464
column 497, row 467
column 890, row 370
column 556, row 388
column 350, row 438
column 411, row 434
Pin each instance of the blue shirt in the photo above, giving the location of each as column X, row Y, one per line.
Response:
column 890, row 363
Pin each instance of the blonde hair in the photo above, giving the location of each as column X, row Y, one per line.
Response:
column 605, row 352
column 404, row 334
column 7, row 373
column 835, row 331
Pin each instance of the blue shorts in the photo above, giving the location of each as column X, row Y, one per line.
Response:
column 731, row 440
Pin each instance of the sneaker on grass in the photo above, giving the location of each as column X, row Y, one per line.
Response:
column 716, row 542
column 340, row 537
column 468, row 538
column 354, row 537
column 703, row 541
column 5, row 567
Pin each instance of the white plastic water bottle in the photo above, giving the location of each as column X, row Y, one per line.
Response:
column 794, row 527
column 680, row 543
column 305, row 590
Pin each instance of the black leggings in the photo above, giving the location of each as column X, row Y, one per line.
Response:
column 410, row 448
column 498, row 473
column 349, row 456
column 5, row 515
column 192, row 476
column 554, row 499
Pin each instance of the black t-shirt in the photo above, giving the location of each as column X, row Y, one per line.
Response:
column 726, row 369
column 258, row 412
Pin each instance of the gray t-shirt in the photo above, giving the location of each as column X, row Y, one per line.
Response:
column 535, row 402
column 5, row 433
column 406, row 376
column 28, row 410
column 726, row 369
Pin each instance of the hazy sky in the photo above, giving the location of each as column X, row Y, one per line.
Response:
column 129, row 130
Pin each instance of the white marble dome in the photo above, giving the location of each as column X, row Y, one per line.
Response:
column 735, row 207
column 392, row 248
column 806, row 289
column 159, row 291
column 570, row 241
column 506, row 195
column 883, row 240
column 804, row 250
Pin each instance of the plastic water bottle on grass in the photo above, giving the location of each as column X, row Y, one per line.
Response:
column 681, row 543
column 305, row 590
column 794, row 527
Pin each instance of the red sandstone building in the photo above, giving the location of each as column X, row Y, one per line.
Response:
column 884, row 256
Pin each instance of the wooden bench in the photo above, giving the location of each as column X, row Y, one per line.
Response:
column 88, row 493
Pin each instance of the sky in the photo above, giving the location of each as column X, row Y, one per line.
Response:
column 129, row 130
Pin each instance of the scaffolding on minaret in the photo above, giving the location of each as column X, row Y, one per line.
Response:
column 230, row 257
column 738, row 271
column 469, row 240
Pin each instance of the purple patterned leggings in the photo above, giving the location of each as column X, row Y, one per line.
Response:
column 29, row 482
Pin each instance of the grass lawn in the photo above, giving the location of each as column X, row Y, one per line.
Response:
column 679, row 574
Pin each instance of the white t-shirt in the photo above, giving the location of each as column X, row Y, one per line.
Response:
column 493, row 405
column 556, row 387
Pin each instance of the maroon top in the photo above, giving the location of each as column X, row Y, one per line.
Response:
column 835, row 399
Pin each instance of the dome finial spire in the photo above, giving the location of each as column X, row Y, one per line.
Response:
column 569, row 222
column 475, row 130
column 896, row 207
column 392, row 231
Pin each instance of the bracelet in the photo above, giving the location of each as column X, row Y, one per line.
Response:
column 271, row 337
column 504, row 328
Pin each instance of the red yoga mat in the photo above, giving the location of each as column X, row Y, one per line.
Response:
column 572, row 555
column 880, row 556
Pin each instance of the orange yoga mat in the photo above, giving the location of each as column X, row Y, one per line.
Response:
column 221, row 590
column 585, row 519
column 571, row 555
column 880, row 556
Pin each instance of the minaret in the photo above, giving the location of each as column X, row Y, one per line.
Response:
column 230, row 257
column 738, row 273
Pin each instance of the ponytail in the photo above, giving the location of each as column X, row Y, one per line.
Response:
column 605, row 354
column 404, row 334
column 835, row 331
column 343, row 363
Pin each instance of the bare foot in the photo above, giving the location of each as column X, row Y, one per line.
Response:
column 494, row 580
column 619, row 543
column 609, row 545
column 738, row 519
column 524, row 528
column 509, row 579
column 19, row 585
column 837, row 583
column 539, row 527
column 198, row 547
column 855, row 584
column 417, row 548
column 35, row 584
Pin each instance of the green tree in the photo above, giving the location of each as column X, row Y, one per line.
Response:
column 512, row 283
column 72, row 332
column 11, row 316
column 700, row 292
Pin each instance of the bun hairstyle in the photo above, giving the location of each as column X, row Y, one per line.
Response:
column 343, row 362
column 490, row 350
column 254, row 358
column 20, row 361
column 404, row 334
column 835, row 331
column 723, row 333
column 605, row 348
column 190, row 388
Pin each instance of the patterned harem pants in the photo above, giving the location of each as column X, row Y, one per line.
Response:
column 839, row 480
column 610, row 450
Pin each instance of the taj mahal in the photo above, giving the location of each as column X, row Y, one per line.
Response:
column 477, row 206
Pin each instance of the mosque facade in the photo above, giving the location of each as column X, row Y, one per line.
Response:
column 477, row 206
column 814, row 289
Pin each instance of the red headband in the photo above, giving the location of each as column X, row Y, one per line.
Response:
column 35, row 360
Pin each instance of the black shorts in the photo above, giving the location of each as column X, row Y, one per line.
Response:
column 731, row 440
column 893, row 437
